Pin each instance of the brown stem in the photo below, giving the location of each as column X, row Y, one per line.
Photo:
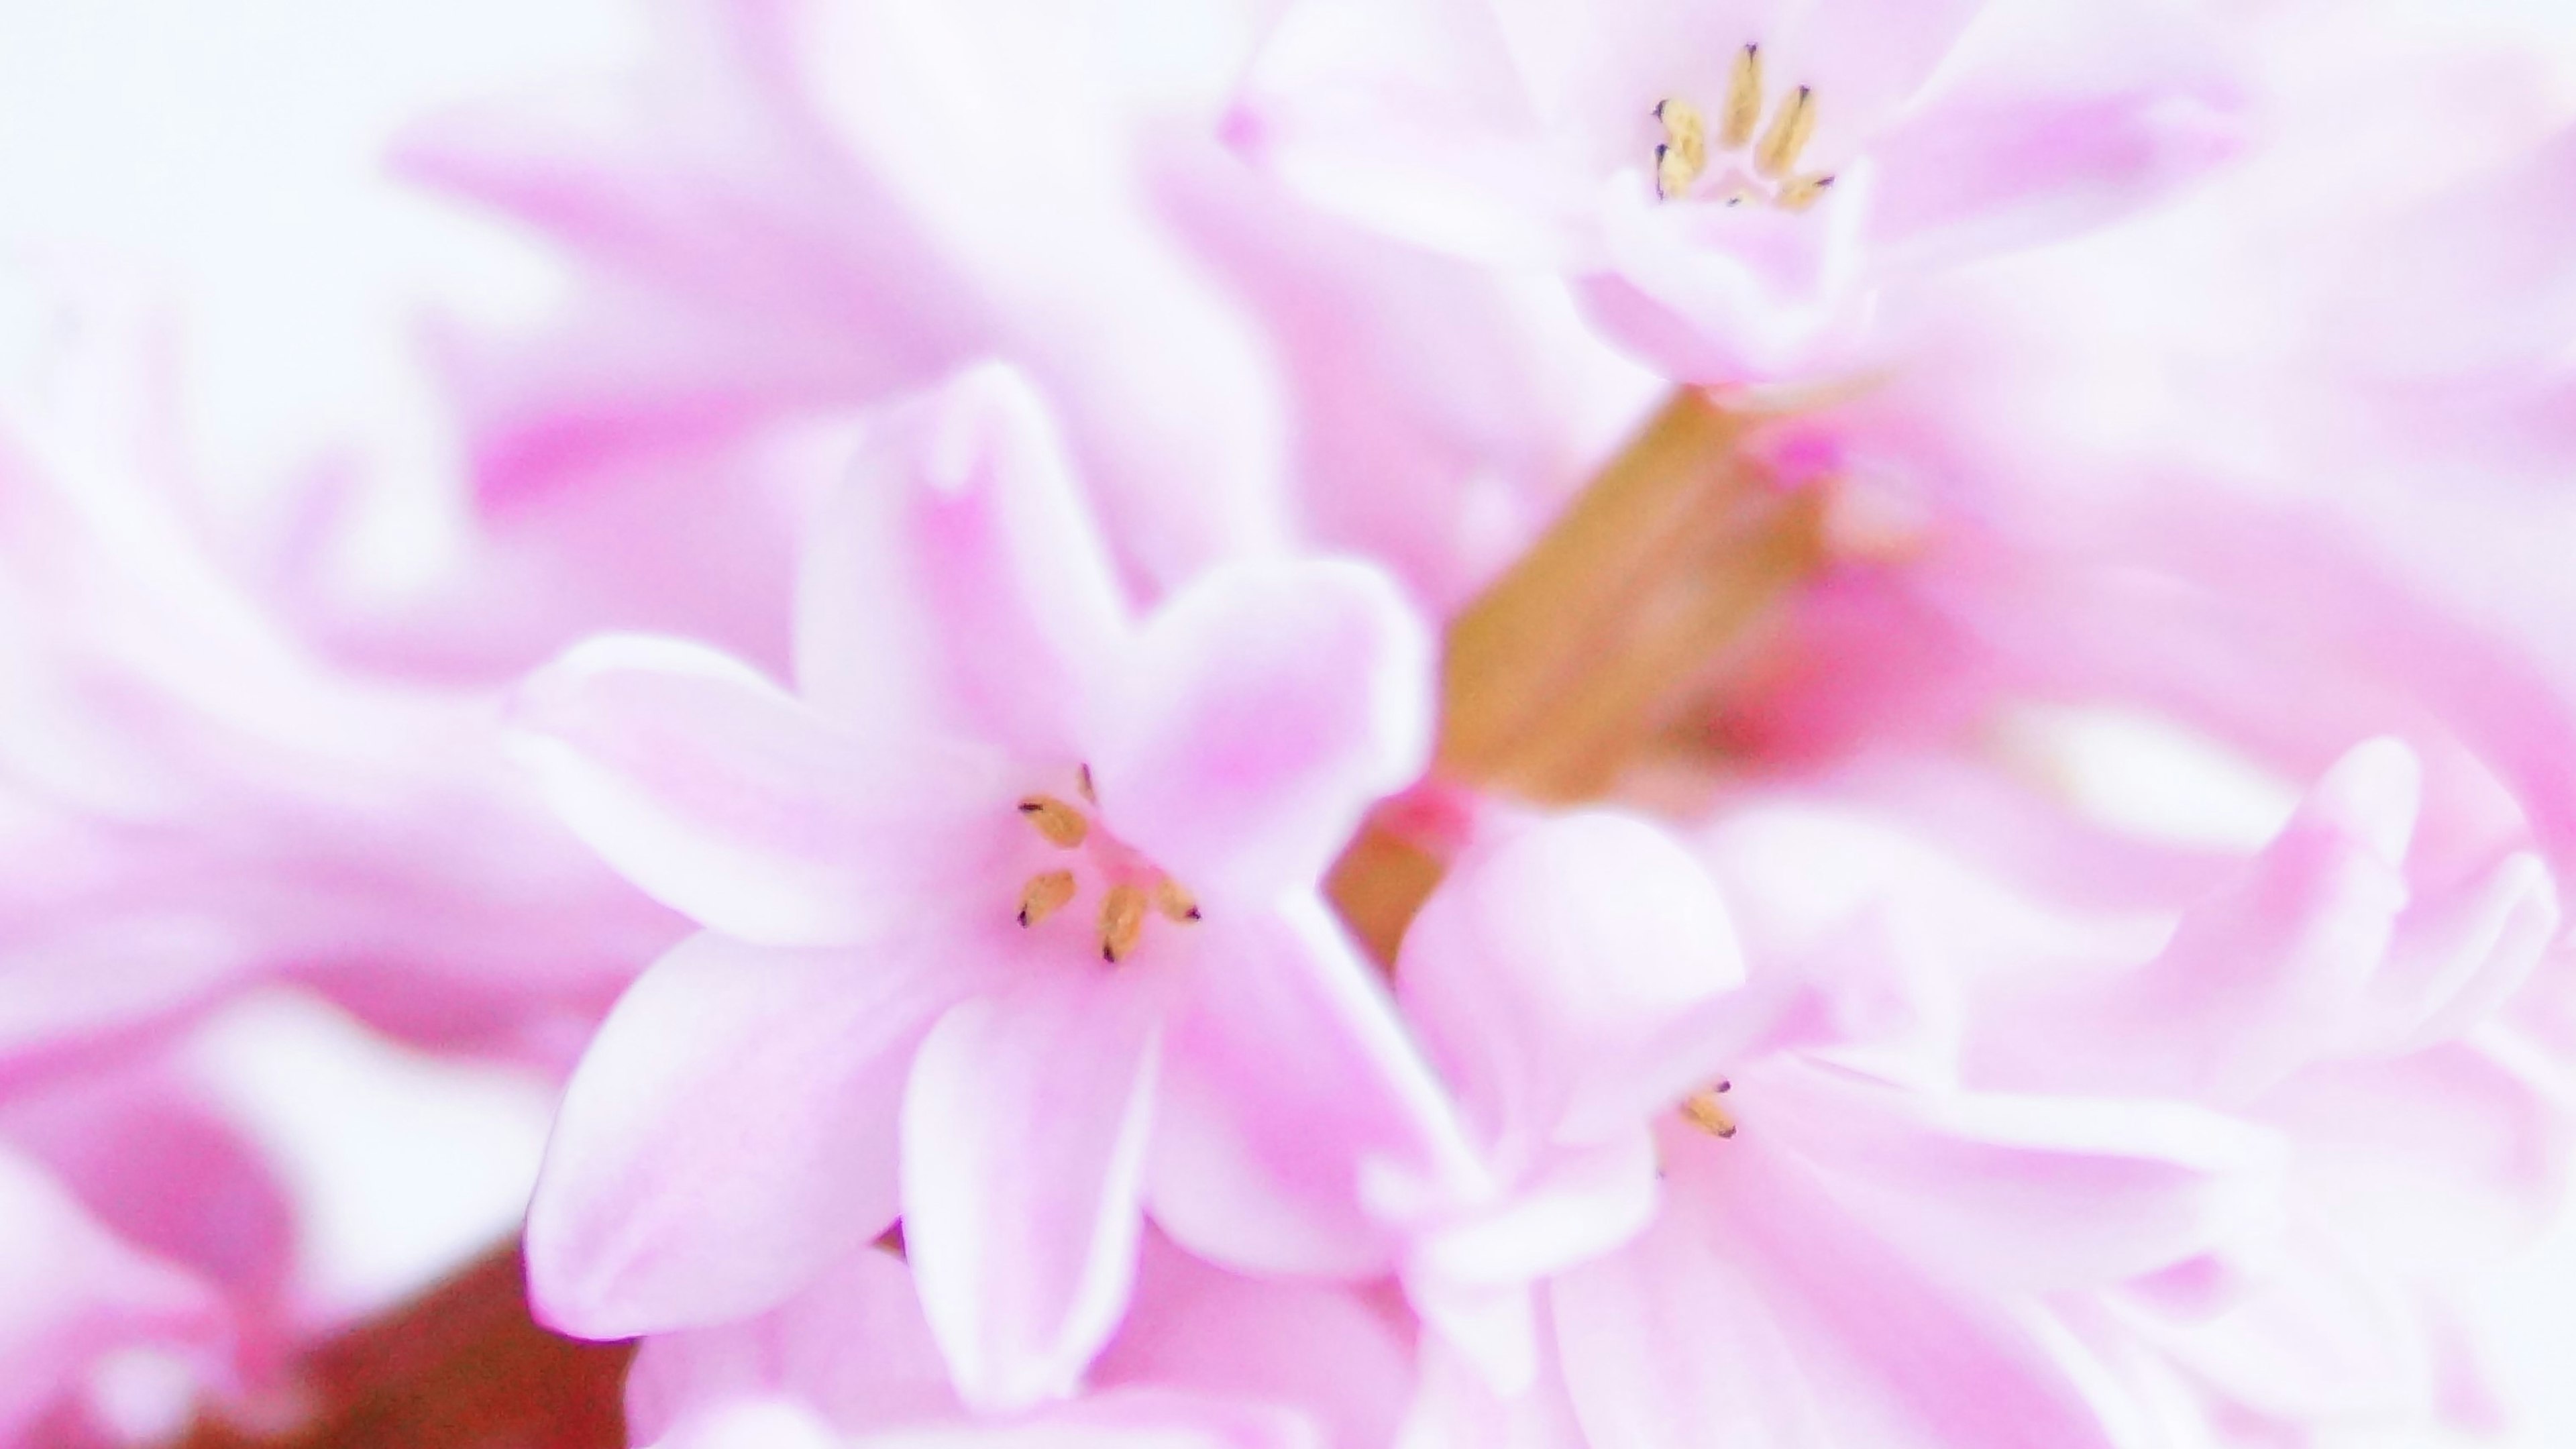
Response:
column 463, row 1365
column 1560, row 673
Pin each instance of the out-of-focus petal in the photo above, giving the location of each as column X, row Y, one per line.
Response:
column 70, row 1292
column 1262, row 711
column 852, row 1346
column 2032, row 1193
column 727, row 799
column 730, row 1133
column 1756, row 1312
column 1024, row 1135
column 957, row 582
column 1548, row 961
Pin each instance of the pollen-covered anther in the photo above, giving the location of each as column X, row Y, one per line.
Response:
column 1122, row 922
column 1063, row 826
column 1803, row 192
column 1174, row 901
column 1684, row 152
column 1743, row 98
column 1704, row 1111
column 1045, row 895
column 1791, row 124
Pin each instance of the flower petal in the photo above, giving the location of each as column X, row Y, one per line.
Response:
column 2038, row 1193
column 728, row 800
column 1289, row 1086
column 1549, row 958
column 800, row 1352
column 1755, row 1312
column 1024, row 1134
column 957, row 583
column 730, row 1132
column 1262, row 711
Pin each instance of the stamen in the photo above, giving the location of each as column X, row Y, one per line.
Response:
column 1802, row 193
column 1743, row 98
column 1708, row 1114
column 1175, row 903
column 1791, row 125
column 1082, row 779
column 1063, row 826
column 1684, row 153
column 1045, row 895
column 1122, row 922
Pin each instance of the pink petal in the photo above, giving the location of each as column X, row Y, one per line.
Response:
column 957, row 582
column 2266, row 975
column 1755, row 1312
column 1986, row 174
column 1549, row 959
column 1122, row 1419
column 1024, row 1133
column 1865, row 59
column 69, row 1292
column 1344, row 1357
column 728, row 800
column 1411, row 116
column 1263, row 709
column 801, row 1352
column 1456, row 1406
column 1289, row 1086
column 730, row 1132
column 2038, row 1193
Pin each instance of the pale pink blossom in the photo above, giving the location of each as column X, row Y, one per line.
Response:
column 1772, row 1212
column 769, row 229
column 196, row 796
column 1012, row 920
column 1737, row 186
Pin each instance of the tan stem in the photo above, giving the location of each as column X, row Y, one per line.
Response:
column 1560, row 673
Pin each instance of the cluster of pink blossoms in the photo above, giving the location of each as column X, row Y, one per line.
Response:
column 1838, row 724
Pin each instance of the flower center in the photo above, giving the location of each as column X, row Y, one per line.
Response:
column 1132, row 885
column 1763, row 169
column 1704, row 1111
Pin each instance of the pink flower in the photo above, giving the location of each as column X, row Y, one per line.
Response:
column 1017, row 898
column 1733, row 184
column 1847, row 1243
column 850, row 1361
column 197, row 797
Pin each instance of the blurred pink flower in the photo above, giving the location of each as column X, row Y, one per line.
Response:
column 1737, row 187
column 71, row 1294
column 197, row 798
column 796, row 209
column 985, row 733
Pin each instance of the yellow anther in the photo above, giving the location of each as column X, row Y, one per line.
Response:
column 1122, row 922
column 1175, row 903
column 1061, row 824
column 1684, row 152
column 1803, row 192
column 1791, row 125
column 1743, row 98
column 1045, row 895
column 1708, row 1114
